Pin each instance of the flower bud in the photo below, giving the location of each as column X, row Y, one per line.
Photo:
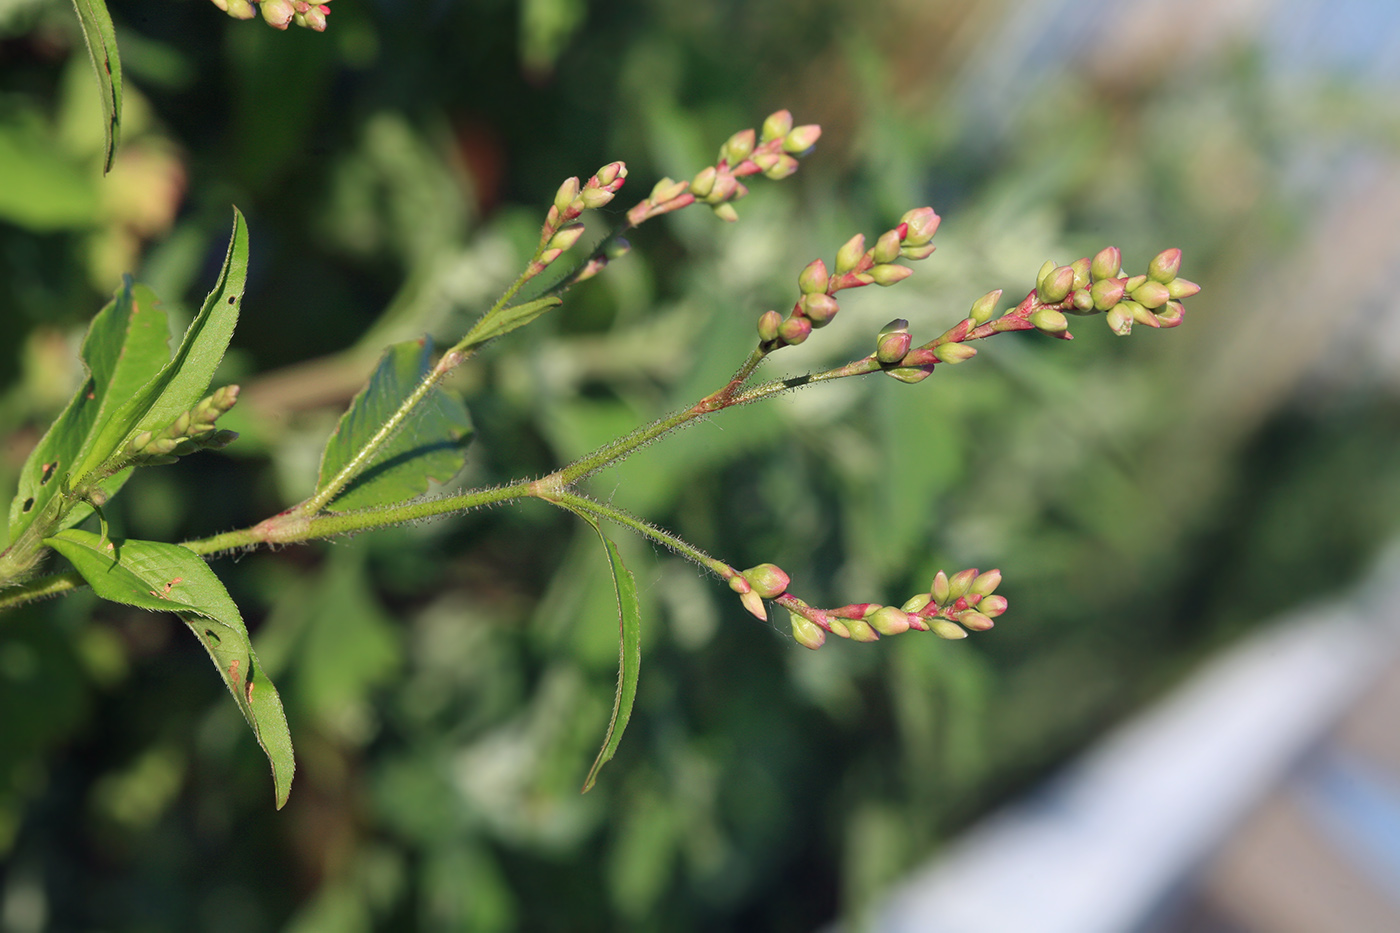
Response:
column 726, row 212
column 1151, row 294
column 887, row 247
column 754, row 604
column 1134, row 282
column 961, row 582
column 814, row 278
column 838, row 627
column 1106, row 293
column 975, row 620
column 277, row 13
column 1081, row 299
column 594, row 198
column 917, row 603
column 1081, row 272
column 945, row 629
column 667, row 190
column 1107, row 264
column 992, row 606
column 782, row 168
column 777, row 125
column 889, row 274
column 912, row 375
column 861, row 630
column 566, row 237
column 953, row 353
column 892, row 347
column 922, row 224
column 819, row 308
column 807, row 633
column 1056, row 285
column 564, row 197
column 240, row 9
column 941, row 590
column 724, row 189
column 801, row 139
column 1164, row 266
column 704, row 182
column 917, row 252
column 1119, row 320
column 1181, row 288
column 1171, row 315
column 738, row 147
column 850, row 254
column 1049, row 321
column 983, row 308
column 1141, row 315
column 611, row 175
column 795, row 330
column 768, row 580
column 890, row 621
column 986, row 583
column 768, row 324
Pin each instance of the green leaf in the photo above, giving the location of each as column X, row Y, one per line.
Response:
column 508, row 319
column 102, row 49
column 431, row 445
column 629, row 660
column 170, row 578
column 125, row 347
column 185, row 378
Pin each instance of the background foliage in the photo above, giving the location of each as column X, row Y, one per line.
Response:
column 1147, row 499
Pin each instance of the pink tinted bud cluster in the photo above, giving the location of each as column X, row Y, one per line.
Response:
column 951, row 608
column 561, row 228
column 1094, row 286
column 279, row 14
column 855, row 266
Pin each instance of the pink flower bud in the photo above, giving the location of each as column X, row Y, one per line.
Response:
column 1107, row 264
column 892, row 347
column 814, row 278
column 975, row 620
column 564, row 197
column 819, row 308
column 1119, row 320
column 922, row 223
column 795, row 330
column 768, row 580
column 986, row 583
column 1171, row 315
column 277, row 13
column 782, row 168
column 802, row 139
column 768, row 324
column 1106, row 293
column 1164, row 266
column 754, row 604
column 777, row 125
column 1181, row 288
column 992, row 606
column 611, row 175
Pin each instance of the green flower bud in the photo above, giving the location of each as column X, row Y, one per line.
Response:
column 740, row 584
column 219, row 439
column 795, row 330
column 277, row 13
column 768, row 324
column 986, row 583
column 992, row 606
column 960, row 583
column 912, row 375
column 609, row 175
column 1082, row 300
column 861, row 630
column 726, row 212
column 819, row 308
column 954, row 353
column 1045, row 270
column 801, row 139
column 892, row 347
column 782, row 168
column 941, row 590
column 807, row 633
column 1134, row 282
column 314, row 17
column 889, row 274
column 777, row 125
column 241, row 9
column 754, row 604
column 564, row 197
column 838, row 627
column 898, row 326
column 917, row 603
column 945, row 629
column 1181, row 288
column 1164, row 266
column 917, row 252
column 1141, row 315
column 850, row 254
column 768, row 580
column 1107, row 264
column 724, row 188
column 1081, row 272
column 814, row 278
column 1152, row 294
column 667, row 190
column 594, row 198
column 738, row 147
column 1056, row 286
column 1049, row 321
column 1119, row 320
column 1106, row 293
column 975, row 620
column 704, row 182
column 890, row 621
column 887, row 247
column 922, row 224
column 1171, row 315
column 566, row 237
column 983, row 308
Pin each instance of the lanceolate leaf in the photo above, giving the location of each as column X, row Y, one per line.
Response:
column 102, row 49
column 431, row 445
column 125, row 347
column 629, row 661
column 183, row 381
column 171, row 578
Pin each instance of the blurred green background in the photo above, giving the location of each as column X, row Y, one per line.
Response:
column 1148, row 499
